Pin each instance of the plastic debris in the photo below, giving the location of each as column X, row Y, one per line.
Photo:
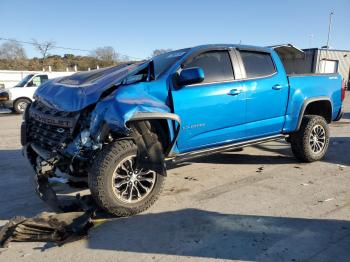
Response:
column 260, row 169
column 326, row 200
column 60, row 228
column 191, row 178
column 307, row 184
column 341, row 167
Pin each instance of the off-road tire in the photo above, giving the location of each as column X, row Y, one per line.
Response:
column 300, row 140
column 100, row 178
column 17, row 105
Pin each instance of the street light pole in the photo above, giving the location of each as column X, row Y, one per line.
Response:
column 329, row 28
column 328, row 38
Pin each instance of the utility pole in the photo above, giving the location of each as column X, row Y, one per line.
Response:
column 328, row 37
column 329, row 28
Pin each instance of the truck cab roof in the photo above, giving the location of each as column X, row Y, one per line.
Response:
column 237, row 46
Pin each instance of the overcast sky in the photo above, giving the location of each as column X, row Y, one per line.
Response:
column 135, row 28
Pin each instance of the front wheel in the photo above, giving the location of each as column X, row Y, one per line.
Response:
column 118, row 185
column 310, row 142
column 20, row 105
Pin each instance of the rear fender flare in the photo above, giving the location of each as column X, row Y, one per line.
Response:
column 306, row 103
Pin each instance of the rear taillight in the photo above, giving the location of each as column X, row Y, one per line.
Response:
column 342, row 90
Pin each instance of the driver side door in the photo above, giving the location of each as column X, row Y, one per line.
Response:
column 212, row 112
column 33, row 84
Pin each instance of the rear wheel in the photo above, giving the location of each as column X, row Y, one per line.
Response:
column 310, row 142
column 20, row 105
column 119, row 185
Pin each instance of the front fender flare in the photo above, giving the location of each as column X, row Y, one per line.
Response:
column 138, row 116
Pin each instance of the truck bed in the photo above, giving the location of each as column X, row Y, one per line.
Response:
column 306, row 86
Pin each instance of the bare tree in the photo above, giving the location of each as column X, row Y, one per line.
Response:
column 12, row 50
column 106, row 53
column 44, row 48
column 160, row 51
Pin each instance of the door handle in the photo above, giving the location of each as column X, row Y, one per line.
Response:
column 234, row 92
column 277, row 87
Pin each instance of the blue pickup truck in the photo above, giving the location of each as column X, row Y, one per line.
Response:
column 121, row 126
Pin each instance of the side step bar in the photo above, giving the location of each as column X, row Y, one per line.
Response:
column 209, row 151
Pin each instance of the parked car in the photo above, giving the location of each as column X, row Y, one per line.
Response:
column 18, row 97
column 123, row 125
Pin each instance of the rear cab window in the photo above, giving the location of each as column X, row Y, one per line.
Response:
column 257, row 64
column 216, row 65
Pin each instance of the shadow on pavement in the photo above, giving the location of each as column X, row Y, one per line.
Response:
column 346, row 116
column 338, row 151
column 200, row 233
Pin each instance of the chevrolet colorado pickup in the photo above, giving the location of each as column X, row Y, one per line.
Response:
column 121, row 126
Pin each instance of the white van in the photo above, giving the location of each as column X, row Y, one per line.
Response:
column 18, row 97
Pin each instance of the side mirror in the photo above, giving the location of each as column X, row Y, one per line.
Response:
column 190, row 76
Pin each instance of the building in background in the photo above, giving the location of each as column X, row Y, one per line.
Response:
column 317, row 60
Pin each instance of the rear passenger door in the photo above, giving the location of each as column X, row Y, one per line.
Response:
column 212, row 112
column 267, row 88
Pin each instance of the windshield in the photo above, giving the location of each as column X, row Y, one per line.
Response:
column 23, row 82
column 165, row 61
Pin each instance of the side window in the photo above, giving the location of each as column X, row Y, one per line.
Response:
column 38, row 80
column 215, row 64
column 257, row 64
column 43, row 78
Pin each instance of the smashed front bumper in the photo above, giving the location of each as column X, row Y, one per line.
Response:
column 44, row 136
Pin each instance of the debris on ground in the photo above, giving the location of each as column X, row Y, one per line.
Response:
column 74, row 217
column 46, row 227
column 71, row 221
column 326, row 200
column 191, row 178
column 297, row 167
column 307, row 184
column 260, row 169
column 341, row 167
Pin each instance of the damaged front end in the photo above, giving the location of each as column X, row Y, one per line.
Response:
column 72, row 119
column 113, row 126
column 55, row 141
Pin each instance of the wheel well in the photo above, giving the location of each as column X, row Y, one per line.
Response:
column 321, row 108
column 161, row 128
column 22, row 97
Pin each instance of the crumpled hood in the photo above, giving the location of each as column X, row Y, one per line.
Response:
column 77, row 91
